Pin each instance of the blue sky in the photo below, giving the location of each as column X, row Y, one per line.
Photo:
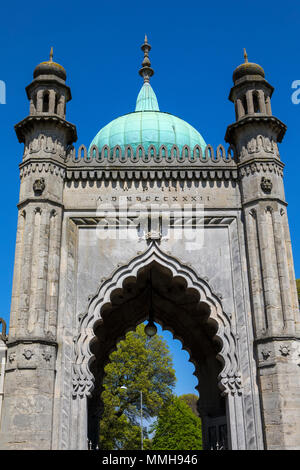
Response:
column 195, row 47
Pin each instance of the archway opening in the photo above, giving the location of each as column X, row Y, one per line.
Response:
column 179, row 309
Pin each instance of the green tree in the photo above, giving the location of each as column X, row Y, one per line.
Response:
column 191, row 399
column 177, row 428
column 141, row 364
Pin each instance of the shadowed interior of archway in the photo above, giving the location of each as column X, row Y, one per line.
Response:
column 176, row 308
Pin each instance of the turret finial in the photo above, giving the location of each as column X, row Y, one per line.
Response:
column 51, row 55
column 245, row 56
column 146, row 71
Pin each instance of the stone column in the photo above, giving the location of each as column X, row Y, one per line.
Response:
column 268, row 106
column 240, row 109
column 52, row 96
column 261, row 99
column 249, row 99
column 61, row 106
column 39, row 101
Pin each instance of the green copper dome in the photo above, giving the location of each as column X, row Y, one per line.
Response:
column 148, row 126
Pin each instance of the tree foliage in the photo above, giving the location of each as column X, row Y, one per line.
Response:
column 191, row 399
column 140, row 364
column 177, row 428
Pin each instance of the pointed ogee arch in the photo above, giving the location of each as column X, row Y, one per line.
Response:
column 229, row 379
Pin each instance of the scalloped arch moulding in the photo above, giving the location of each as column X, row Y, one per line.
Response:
column 229, row 379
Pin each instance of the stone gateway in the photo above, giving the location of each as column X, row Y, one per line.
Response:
column 150, row 217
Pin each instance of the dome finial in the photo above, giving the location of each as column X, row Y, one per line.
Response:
column 247, row 68
column 146, row 71
column 49, row 67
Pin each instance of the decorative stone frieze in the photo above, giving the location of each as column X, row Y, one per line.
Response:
column 274, row 123
column 253, row 167
column 41, row 167
column 259, row 146
column 274, row 349
column 29, row 124
column 24, row 354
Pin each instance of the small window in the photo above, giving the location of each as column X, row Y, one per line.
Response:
column 236, row 110
column 244, row 104
column 46, row 103
column 255, row 102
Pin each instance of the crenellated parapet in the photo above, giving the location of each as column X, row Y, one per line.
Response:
column 143, row 163
column 207, row 163
column 142, row 155
column 40, row 173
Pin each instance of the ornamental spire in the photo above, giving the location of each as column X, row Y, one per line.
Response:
column 245, row 56
column 146, row 71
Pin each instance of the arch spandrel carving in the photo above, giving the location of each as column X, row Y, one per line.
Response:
column 229, row 379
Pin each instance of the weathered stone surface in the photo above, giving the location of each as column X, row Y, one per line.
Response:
column 224, row 285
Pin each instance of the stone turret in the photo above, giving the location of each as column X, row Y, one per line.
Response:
column 32, row 342
column 46, row 133
column 48, row 95
column 255, row 135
